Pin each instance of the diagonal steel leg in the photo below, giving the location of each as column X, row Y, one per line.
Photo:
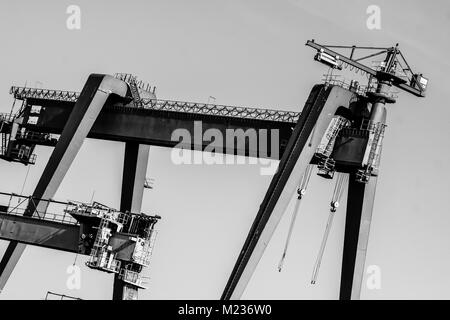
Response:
column 133, row 179
column 318, row 112
column 93, row 97
column 360, row 202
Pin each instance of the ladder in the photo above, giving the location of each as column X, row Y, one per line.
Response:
column 98, row 242
column 379, row 131
column 130, row 293
column 98, row 238
column 135, row 92
column 4, row 146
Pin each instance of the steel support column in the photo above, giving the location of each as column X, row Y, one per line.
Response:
column 95, row 93
column 133, row 179
column 360, row 202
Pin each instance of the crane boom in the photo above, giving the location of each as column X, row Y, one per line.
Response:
column 419, row 92
column 322, row 105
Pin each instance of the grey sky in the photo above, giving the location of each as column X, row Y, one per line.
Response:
column 247, row 53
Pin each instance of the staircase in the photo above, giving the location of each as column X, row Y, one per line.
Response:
column 135, row 92
column 363, row 175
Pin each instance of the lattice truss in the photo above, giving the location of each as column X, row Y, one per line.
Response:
column 22, row 93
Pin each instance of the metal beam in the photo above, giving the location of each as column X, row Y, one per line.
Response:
column 54, row 234
column 133, row 179
column 95, row 93
column 39, row 232
column 360, row 202
column 201, row 110
column 366, row 69
column 318, row 111
column 156, row 127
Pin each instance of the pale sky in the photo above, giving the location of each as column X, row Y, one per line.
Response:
column 247, row 53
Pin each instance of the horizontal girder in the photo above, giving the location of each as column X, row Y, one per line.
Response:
column 21, row 93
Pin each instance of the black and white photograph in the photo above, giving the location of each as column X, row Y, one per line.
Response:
column 224, row 151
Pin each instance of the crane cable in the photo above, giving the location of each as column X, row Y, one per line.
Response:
column 300, row 192
column 23, row 185
column 341, row 181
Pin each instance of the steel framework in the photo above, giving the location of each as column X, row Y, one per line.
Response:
column 22, row 93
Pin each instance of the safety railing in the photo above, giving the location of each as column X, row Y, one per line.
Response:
column 57, row 296
column 370, row 125
column 171, row 105
column 131, row 79
column 221, row 110
column 127, row 77
column 343, row 83
column 47, row 216
column 18, row 155
column 133, row 277
column 361, row 90
column 48, row 94
column 7, row 117
column 130, row 292
column 18, row 205
column 142, row 254
column 103, row 260
column 36, row 136
column 97, row 210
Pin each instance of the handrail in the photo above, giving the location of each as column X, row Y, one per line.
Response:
column 169, row 105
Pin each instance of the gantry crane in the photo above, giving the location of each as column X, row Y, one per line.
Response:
column 348, row 121
column 117, row 108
